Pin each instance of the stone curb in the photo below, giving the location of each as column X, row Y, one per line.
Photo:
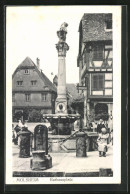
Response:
column 100, row 173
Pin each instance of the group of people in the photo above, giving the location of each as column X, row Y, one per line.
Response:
column 21, row 126
column 102, row 139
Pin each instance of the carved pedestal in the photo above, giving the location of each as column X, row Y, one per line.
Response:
column 81, row 144
column 40, row 161
column 24, row 143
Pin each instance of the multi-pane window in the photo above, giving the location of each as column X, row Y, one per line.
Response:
column 26, row 71
column 13, row 97
column 27, row 97
column 19, row 83
column 98, row 82
column 44, row 97
column 33, row 82
column 98, row 52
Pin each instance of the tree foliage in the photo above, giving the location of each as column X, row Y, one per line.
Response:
column 18, row 115
column 35, row 116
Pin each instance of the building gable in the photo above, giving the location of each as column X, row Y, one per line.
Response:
column 27, row 77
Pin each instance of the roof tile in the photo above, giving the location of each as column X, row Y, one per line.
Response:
column 93, row 27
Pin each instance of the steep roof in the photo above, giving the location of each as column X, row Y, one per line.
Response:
column 93, row 27
column 73, row 92
column 28, row 63
column 48, row 82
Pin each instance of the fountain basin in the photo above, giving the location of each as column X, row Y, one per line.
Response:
column 61, row 124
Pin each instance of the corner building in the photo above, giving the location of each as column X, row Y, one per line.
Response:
column 95, row 62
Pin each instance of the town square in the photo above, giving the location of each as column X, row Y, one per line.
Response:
column 62, row 94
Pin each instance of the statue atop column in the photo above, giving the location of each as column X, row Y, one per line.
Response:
column 62, row 32
column 62, row 46
column 64, row 27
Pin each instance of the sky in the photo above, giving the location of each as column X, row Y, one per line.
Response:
column 32, row 31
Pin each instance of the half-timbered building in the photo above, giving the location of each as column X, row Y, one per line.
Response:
column 95, row 62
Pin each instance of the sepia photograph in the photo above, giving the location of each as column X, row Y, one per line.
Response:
column 63, row 94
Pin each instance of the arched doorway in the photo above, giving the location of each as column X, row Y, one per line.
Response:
column 101, row 111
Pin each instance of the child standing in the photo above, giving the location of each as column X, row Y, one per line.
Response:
column 102, row 142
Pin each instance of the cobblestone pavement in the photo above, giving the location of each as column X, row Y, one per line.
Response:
column 67, row 162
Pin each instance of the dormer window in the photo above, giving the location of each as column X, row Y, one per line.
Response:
column 33, row 82
column 19, row 83
column 108, row 22
column 109, row 25
column 26, row 71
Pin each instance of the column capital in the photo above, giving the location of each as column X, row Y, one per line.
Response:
column 62, row 48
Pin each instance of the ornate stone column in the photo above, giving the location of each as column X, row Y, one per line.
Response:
column 62, row 47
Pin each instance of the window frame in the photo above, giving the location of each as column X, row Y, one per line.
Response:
column 29, row 95
column 97, row 53
column 20, row 85
column 33, row 81
column 97, row 82
column 44, row 99
column 108, row 18
column 109, row 21
column 26, row 73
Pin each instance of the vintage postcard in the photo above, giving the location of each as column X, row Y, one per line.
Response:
column 63, row 95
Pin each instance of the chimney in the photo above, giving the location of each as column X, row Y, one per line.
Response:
column 38, row 63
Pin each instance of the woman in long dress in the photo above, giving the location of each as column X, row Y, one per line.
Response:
column 102, row 142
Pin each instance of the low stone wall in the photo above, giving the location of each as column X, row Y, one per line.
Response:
column 62, row 143
column 65, row 143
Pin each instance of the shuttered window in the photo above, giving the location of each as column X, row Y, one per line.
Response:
column 98, row 52
column 98, row 82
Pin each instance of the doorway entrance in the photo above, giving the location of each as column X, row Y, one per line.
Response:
column 101, row 111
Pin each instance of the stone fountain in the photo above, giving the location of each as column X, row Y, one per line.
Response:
column 61, row 122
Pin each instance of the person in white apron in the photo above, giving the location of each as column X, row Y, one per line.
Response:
column 20, row 125
column 102, row 142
